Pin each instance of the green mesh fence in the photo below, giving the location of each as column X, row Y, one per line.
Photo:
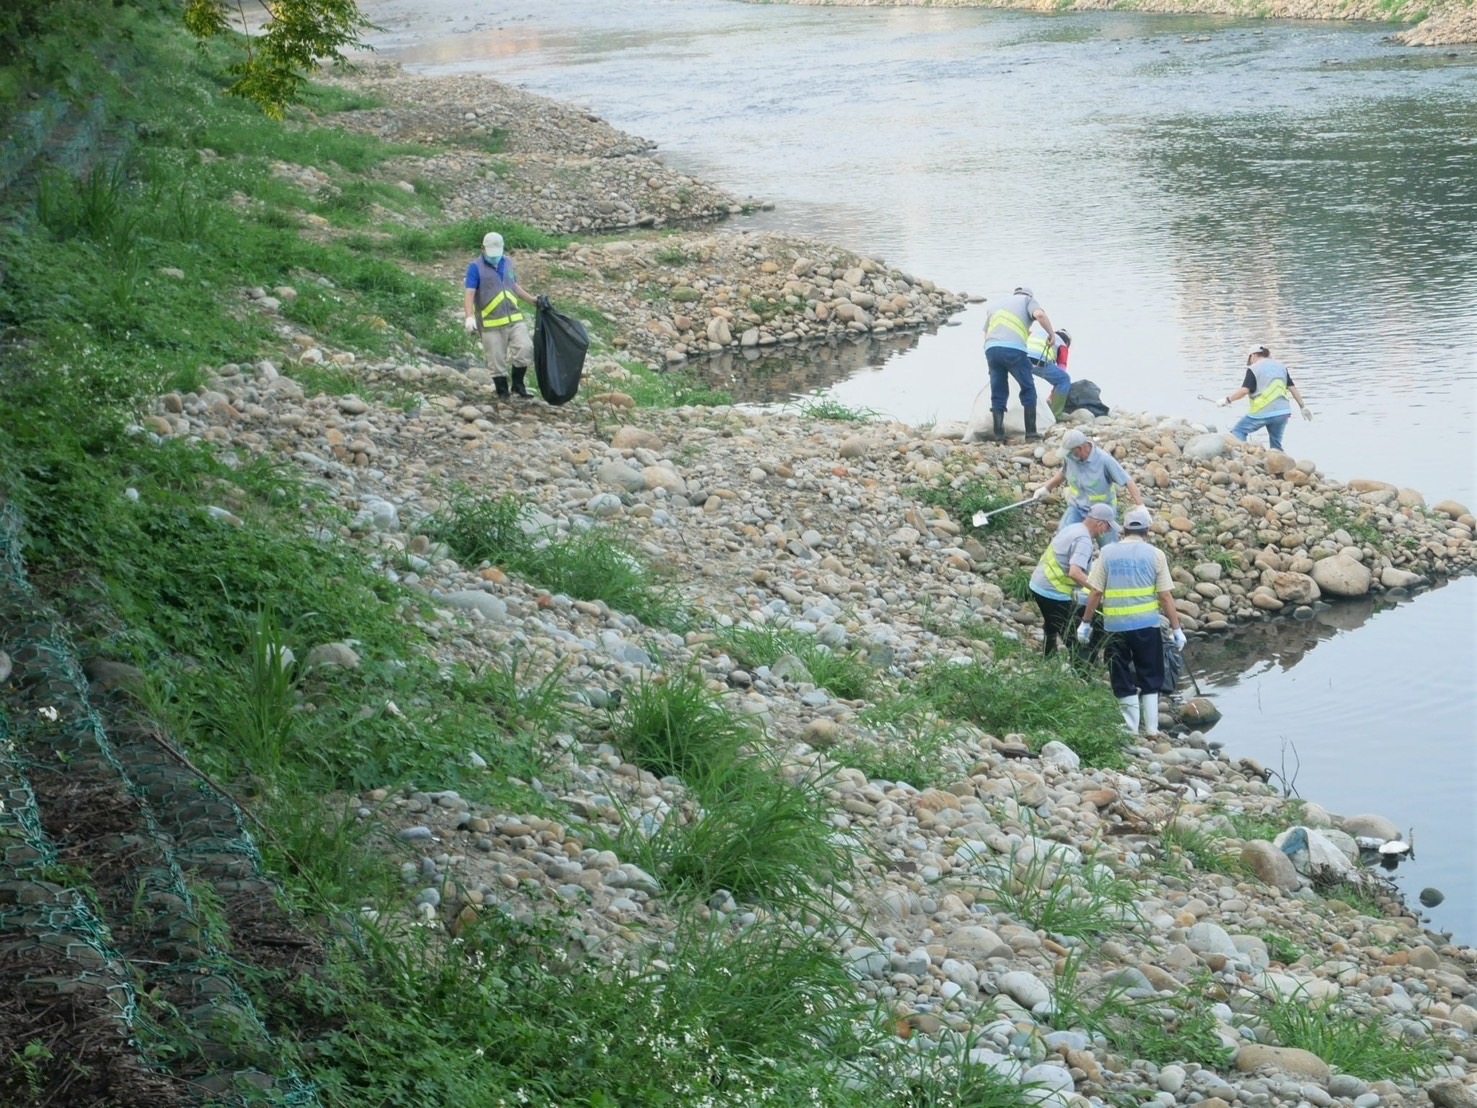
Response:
column 179, row 838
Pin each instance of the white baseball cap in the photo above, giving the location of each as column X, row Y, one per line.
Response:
column 1103, row 512
column 1138, row 519
column 492, row 244
column 1262, row 350
column 1073, row 439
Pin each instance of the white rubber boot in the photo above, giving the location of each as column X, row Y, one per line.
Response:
column 1149, row 702
column 1129, row 706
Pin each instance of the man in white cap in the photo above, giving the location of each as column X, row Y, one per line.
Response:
column 1092, row 476
column 1008, row 322
column 1269, row 385
column 1131, row 583
column 493, row 310
column 1061, row 574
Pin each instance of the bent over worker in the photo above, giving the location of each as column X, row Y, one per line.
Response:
column 1092, row 476
column 492, row 309
column 1269, row 385
column 1008, row 322
column 1131, row 582
column 1062, row 573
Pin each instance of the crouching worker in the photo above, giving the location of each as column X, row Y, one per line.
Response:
column 1060, row 577
column 1131, row 583
column 1048, row 355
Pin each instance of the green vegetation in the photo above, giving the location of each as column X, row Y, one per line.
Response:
column 673, row 255
column 1180, row 1028
column 962, row 497
column 1042, row 884
column 836, row 411
column 590, row 565
column 1280, row 948
column 1358, row 522
column 844, row 673
column 672, row 389
column 910, row 744
column 1350, row 1043
column 1028, row 694
column 1184, row 847
column 1017, row 584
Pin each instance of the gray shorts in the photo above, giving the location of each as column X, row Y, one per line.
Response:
column 505, row 346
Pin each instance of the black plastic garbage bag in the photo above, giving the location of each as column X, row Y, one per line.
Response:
column 559, row 345
column 1174, row 665
column 1084, row 394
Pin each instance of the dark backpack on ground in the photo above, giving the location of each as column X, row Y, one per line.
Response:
column 1084, row 394
column 559, row 345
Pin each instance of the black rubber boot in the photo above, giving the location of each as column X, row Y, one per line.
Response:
column 519, row 389
column 999, row 420
column 1031, row 432
column 501, row 384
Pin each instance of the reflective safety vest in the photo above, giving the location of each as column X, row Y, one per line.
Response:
column 1039, row 348
column 1050, row 577
column 1270, row 398
column 494, row 299
column 1088, row 482
column 1130, row 600
column 1009, row 324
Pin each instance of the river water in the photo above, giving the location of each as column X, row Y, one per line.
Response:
column 1175, row 190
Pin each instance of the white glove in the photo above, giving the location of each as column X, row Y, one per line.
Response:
column 471, row 325
column 1084, row 633
column 1307, row 415
column 1223, row 402
column 1041, row 493
column 1179, row 639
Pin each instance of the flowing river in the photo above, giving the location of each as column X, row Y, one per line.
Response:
column 1175, row 190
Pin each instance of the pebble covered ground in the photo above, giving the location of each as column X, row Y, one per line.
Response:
column 784, row 520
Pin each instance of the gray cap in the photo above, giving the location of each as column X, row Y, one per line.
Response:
column 1103, row 512
column 1023, row 291
column 1073, row 439
column 1138, row 519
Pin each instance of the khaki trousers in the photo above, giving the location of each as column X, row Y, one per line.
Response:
column 505, row 346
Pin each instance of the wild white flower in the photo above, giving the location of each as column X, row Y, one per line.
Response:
column 48, row 713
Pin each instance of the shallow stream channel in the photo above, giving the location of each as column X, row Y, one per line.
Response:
column 1174, row 189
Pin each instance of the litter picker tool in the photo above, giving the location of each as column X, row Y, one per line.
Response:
column 982, row 519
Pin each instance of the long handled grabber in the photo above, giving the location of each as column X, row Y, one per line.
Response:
column 981, row 519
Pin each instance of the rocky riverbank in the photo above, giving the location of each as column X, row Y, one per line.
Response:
column 849, row 535
column 1448, row 24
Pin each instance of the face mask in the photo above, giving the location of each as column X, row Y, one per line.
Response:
column 493, row 259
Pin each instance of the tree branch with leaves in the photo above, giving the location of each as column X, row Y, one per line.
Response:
column 296, row 38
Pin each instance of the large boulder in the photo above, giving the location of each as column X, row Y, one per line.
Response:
column 1295, row 588
column 1341, row 575
column 1270, row 865
column 1202, row 448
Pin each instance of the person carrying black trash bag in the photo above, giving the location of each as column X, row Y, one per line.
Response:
column 493, row 310
column 1131, row 583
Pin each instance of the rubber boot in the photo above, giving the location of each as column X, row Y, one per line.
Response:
column 1129, row 706
column 1030, row 414
column 519, row 388
column 998, row 419
column 1149, row 704
column 501, row 384
column 1058, row 404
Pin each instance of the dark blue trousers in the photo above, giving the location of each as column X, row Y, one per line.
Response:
column 1002, row 362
